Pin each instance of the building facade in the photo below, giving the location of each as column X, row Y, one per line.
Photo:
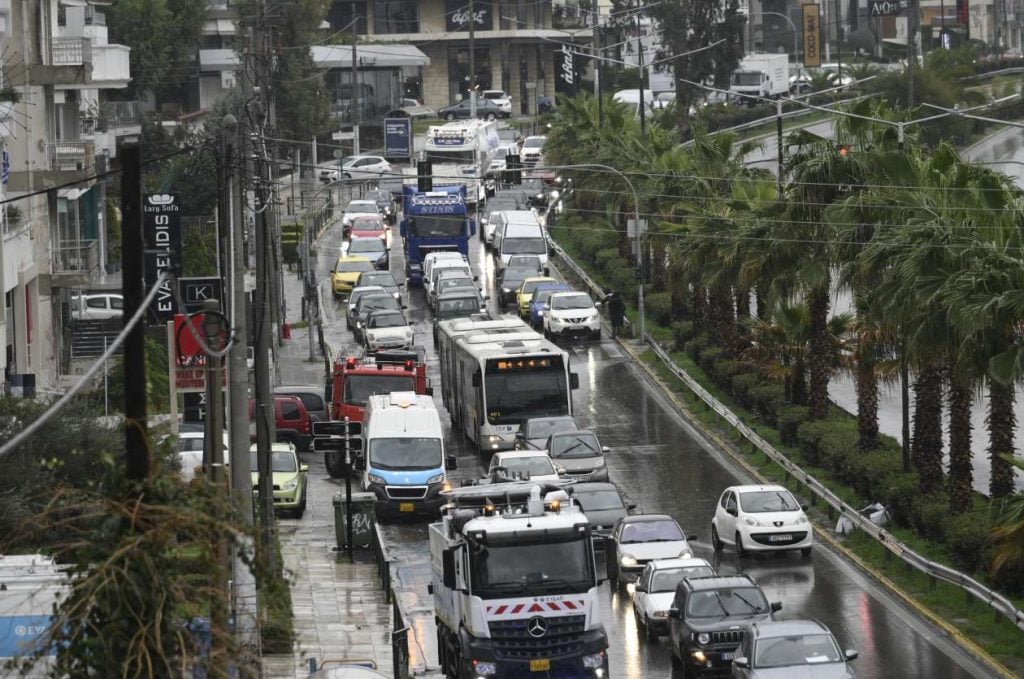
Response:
column 57, row 129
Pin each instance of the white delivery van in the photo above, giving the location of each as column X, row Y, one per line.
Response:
column 403, row 446
column 518, row 232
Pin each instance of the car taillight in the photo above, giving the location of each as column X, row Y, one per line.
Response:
column 350, row 362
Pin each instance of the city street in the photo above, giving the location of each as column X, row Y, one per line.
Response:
column 665, row 466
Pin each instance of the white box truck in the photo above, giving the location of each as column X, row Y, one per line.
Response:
column 760, row 75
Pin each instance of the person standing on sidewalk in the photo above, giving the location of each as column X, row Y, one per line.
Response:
column 616, row 311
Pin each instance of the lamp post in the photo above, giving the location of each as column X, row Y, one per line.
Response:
column 636, row 209
column 796, row 34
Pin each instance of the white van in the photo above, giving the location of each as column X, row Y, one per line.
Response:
column 405, row 462
column 435, row 271
column 518, row 232
column 631, row 98
column 97, row 306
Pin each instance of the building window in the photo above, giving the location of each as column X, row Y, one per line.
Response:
column 395, row 16
column 567, row 14
column 62, row 15
column 341, row 14
column 458, row 71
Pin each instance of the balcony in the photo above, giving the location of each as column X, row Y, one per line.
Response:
column 75, row 263
column 79, row 62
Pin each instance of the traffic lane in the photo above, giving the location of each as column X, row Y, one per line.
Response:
column 658, row 462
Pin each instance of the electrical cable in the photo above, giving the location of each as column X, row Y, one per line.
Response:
column 19, row 438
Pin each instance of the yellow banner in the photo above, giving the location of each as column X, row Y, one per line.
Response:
column 812, row 35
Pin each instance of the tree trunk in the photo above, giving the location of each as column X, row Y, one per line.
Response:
column 722, row 318
column 818, row 357
column 961, row 474
column 1002, row 421
column 742, row 317
column 798, row 388
column 699, row 307
column 867, row 396
column 926, row 447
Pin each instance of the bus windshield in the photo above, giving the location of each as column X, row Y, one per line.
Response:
column 438, row 225
column 522, row 393
column 452, row 157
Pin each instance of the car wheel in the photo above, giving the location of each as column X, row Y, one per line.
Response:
column 613, row 579
column 805, row 552
column 597, row 335
column 348, row 176
column 449, row 116
column 649, row 634
column 741, row 551
column 716, row 541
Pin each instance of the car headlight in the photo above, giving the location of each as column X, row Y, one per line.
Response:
column 554, row 194
column 660, row 614
column 507, row 291
column 290, row 485
column 373, row 478
column 751, row 521
column 685, row 554
column 485, row 668
column 600, row 462
column 703, row 638
column 436, row 478
column 345, row 221
column 627, row 560
column 801, row 520
column 593, row 661
column 397, row 295
column 699, row 657
column 494, row 439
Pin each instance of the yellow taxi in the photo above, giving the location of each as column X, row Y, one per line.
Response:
column 525, row 293
column 345, row 273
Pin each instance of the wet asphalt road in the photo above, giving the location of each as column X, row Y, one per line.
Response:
column 661, row 463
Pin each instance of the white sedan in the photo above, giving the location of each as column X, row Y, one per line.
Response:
column 760, row 518
column 354, row 167
column 656, row 589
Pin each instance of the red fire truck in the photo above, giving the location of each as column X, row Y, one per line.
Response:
column 354, row 379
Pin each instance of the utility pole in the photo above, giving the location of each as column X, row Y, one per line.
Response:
column 597, row 72
column 357, row 91
column 133, row 289
column 640, row 58
column 472, row 61
column 839, row 43
column 911, row 57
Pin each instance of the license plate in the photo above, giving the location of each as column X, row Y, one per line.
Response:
column 540, row 665
column 728, row 656
column 778, row 538
column 406, row 507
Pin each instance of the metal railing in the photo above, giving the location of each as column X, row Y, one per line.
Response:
column 580, row 273
column 71, row 155
column 935, row 571
column 70, row 51
column 400, row 657
column 81, row 257
column 117, row 115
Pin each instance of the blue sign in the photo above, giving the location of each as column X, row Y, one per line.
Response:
column 21, row 634
column 5, row 167
column 398, row 137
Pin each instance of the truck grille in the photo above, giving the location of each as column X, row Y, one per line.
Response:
column 512, row 641
column 581, row 319
column 406, row 492
column 733, row 637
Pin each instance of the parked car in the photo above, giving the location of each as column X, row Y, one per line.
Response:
column 501, row 100
column 346, row 271
column 642, row 538
column 485, row 108
column 292, row 421
column 655, row 590
column 760, row 518
column 289, row 478
column 532, row 149
column 416, row 111
column 373, row 249
column 97, row 306
column 311, row 397
column 580, row 453
column 603, row 504
column 354, row 167
column 534, row 433
column 708, row 619
column 791, row 648
column 516, row 465
column 387, row 329
column 570, row 314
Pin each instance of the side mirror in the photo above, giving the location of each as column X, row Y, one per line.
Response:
column 851, row 654
column 630, row 506
column 805, row 506
column 429, row 391
column 605, row 449
column 476, row 278
column 674, row 613
column 547, row 271
column 451, row 462
column 741, row 662
column 546, row 307
column 639, row 588
column 303, row 467
column 776, row 606
column 574, row 381
column 448, row 568
column 693, row 538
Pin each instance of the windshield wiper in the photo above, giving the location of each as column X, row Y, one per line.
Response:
column 725, row 611
column 755, row 609
column 785, row 503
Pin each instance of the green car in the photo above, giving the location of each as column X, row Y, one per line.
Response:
column 289, row 478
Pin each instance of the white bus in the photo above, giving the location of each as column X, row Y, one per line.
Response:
column 461, row 153
column 448, row 332
column 498, row 380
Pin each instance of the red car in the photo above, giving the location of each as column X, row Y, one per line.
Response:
column 368, row 226
column 291, row 420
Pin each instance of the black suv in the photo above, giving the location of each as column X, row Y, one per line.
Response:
column 708, row 618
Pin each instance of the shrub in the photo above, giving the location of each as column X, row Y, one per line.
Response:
column 837, row 449
column 899, row 493
column 696, row 345
column 808, row 437
column 766, row 400
column 658, row 307
column 741, row 386
column 930, row 514
column 708, row 357
column 606, row 258
column 866, row 471
column 682, row 331
column 967, row 537
column 789, row 419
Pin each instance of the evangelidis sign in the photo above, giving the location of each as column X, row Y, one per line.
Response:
column 161, row 225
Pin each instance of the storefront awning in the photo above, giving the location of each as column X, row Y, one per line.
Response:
column 369, row 56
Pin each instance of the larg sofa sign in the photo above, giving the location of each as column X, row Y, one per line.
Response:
column 458, row 14
column 161, row 225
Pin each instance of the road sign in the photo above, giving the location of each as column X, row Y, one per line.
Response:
column 884, row 8
column 195, row 291
column 195, row 406
column 328, row 444
column 337, row 428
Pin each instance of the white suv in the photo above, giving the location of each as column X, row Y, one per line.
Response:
column 500, row 99
column 571, row 314
column 760, row 518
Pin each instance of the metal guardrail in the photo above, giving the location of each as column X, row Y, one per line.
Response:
column 935, row 571
column 578, row 271
column 400, row 656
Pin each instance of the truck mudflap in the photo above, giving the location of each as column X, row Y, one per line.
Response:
column 537, row 647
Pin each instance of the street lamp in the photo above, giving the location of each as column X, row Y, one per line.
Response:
column 636, row 208
column 796, row 51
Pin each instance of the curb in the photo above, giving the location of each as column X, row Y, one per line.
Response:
column 823, row 534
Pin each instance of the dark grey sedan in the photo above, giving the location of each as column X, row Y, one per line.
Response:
column 791, row 649
column 533, row 433
column 485, row 108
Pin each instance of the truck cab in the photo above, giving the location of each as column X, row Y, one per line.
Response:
column 405, row 462
column 354, row 380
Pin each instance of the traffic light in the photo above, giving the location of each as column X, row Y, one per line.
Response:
column 424, row 176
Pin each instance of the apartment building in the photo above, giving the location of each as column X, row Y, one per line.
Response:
column 58, row 129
